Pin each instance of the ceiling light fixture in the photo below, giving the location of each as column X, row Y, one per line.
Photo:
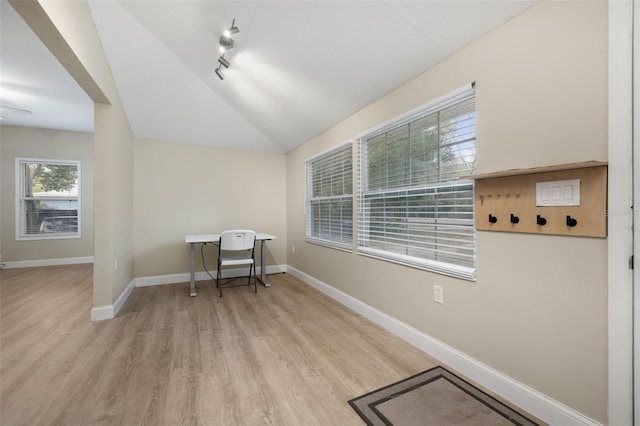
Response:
column 219, row 73
column 232, row 29
column 223, row 61
column 226, row 43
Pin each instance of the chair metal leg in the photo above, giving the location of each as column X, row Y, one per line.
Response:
column 255, row 288
column 252, row 271
column 218, row 275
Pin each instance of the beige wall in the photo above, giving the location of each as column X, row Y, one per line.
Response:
column 113, row 265
column 68, row 30
column 52, row 145
column 538, row 310
column 184, row 189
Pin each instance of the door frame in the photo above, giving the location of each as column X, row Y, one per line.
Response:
column 635, row 132
column 620, row 212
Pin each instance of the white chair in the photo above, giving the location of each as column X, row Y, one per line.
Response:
column 236, row 248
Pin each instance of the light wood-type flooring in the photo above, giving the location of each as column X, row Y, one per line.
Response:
column 287, row 355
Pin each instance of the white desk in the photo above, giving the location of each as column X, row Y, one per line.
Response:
column 192, row 240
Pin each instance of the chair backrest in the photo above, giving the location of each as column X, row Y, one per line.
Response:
column 237, row 239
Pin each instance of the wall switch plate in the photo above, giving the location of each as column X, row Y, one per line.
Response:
column 558, row 193
column 438, row 295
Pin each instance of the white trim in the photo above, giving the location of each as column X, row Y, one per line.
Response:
column 449, row 269
column 47, row 262
column 424, row 109
column 201, row 276
column 18, row 198
column 169, row 279
column 636, row 219
column 100, row 313
column 328, row 150
column 620, row 220
column 123, row 297
column 329, row 244
column 528, row 399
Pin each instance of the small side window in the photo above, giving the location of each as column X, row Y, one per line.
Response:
column 47, row 199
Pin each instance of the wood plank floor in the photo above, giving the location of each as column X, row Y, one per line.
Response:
column 287, row 355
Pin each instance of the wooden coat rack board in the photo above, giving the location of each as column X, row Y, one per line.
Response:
column 506, row 201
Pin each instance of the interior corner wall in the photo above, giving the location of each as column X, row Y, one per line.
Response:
column 538, row 309
column 183, row 189
column 51, row 145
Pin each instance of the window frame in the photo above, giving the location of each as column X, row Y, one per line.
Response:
column 20, row 197
column 326, row 155
column 363, row 246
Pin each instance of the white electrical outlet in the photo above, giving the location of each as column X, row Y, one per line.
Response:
column 558, row 193
column 438, row 295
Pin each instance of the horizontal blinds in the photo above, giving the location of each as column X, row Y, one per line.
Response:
column 329, row 198
column 413, row 207
column 465, row 92
column 48, row 202
column 330, row 174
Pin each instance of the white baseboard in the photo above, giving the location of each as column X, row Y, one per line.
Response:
column 534, row 402
column 200, row 276
column 47, row 262
column 169, row 279
column 100, row 313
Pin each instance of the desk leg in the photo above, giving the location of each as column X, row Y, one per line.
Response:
column 262, row 268
column 192, row 255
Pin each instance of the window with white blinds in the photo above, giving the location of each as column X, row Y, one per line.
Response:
column 329, row 198
column 47, row 199
column 413, row 208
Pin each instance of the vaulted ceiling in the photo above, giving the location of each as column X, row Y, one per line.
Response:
column 298, row 67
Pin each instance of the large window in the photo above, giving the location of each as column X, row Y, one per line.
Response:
column 47, row 199
column 413, row 208
column 329, row 198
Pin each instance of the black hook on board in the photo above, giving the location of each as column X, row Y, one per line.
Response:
column 514, row 218
column 541, row 220
column 571, row 221
column 492, row 218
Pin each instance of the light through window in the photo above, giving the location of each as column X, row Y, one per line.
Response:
column 329, row 198
column 47, row 199
column 413, row 208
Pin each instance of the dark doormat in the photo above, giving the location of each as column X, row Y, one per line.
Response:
column 434, row 397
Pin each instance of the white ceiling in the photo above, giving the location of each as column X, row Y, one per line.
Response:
column 298, row 68
column 32, row 79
